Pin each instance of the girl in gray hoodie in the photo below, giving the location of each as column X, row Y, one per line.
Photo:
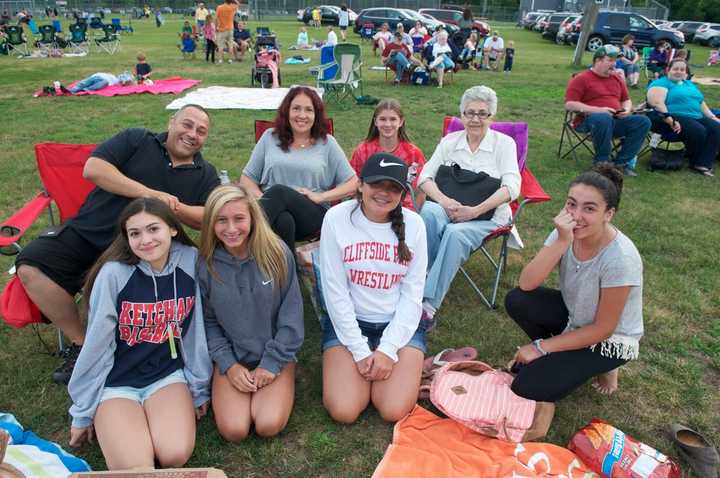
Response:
column 144, row 365
column 253, row 315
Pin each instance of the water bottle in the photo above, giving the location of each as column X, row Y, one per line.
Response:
column 224, row 177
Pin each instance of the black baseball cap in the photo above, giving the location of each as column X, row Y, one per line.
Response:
column 385, row 167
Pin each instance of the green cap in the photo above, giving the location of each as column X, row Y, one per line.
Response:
column 606, row 50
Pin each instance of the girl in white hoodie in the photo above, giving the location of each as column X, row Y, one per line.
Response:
column 373, row 257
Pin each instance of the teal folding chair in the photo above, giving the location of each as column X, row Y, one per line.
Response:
column 347, row 59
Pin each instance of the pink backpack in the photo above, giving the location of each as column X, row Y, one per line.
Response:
column 479, row 397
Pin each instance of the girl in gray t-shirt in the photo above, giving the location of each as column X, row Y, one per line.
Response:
column 593, row 323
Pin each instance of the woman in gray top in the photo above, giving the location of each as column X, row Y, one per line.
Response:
column 297, row 169
column 594, row 323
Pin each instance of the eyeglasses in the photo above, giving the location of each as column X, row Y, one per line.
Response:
column 470, row 114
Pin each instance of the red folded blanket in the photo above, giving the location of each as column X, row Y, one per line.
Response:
column 172, row 85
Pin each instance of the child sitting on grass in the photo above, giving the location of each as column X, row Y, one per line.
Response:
column 143, row 70
column 187, row 46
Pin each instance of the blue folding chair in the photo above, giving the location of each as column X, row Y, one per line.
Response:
column 367, row 31
column 33, row 27
column 263, row 31
column 57, row 26
column 327, row 55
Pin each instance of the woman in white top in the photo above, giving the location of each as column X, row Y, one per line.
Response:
column 373, row 256
column 593, row 324
column 452, row 228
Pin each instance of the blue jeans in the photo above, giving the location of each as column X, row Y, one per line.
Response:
column 449, row 246
column 401, row 64
column 700, row 136
column 447, row 63
column 372, row 332
column 466, row 54
column 604, row 128
column 91, row 83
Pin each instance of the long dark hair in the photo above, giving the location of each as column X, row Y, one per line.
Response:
column 397, row 224
column 319, row 130
column 607, row 179
column 119, row 250
column 387, row 104
column 467, row 13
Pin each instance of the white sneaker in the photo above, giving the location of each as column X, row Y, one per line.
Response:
column 229, row 61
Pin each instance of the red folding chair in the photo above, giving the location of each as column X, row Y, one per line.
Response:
column 530, row 192
column 60, row 168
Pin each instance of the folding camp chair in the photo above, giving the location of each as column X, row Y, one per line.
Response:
column 119, row 27
column 110, row 41
column 47, row 40
column 348, row 78
column 60, row 168
column 57, row 26
column 530, row 191
column 573, row 138
column 96, row 23
column 32, row 24
column 16, row 40
column 367, row 31
column 77, row 43
column 263, row 31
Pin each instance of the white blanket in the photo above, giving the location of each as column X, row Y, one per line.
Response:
column 225, row 98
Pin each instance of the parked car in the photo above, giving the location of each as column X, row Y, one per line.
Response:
column 540, row 23
column 393, row 16
column 688, row 29
column 708, row 34
column 453, row 17
column 329, row 15
column 167, row 10
column 552, row 24
column 570, row 30
column 530, row 19
column 611, row 27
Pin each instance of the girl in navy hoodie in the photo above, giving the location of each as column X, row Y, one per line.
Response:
column 253, row 315
column 143, row 375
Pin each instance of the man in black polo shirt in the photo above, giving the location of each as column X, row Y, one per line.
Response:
column 134, row 163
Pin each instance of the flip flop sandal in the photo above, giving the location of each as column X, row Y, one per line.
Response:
column 449, row 355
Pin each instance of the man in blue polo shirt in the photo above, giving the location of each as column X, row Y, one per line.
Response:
column 134, row 163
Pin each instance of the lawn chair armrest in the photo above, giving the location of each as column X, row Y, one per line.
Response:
column 12, row 230
column 316, row 70
column 530, row 188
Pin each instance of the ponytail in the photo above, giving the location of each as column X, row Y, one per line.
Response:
column 397, row 224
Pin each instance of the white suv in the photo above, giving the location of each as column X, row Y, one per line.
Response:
column 708, row 34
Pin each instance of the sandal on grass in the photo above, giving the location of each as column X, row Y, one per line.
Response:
column 449, row 355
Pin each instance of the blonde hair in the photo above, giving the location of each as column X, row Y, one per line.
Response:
column 264, row 246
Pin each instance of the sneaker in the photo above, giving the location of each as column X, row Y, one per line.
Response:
column 62, row 374
column 630, row 172
column 229, row 61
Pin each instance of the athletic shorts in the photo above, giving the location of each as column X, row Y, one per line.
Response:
column 372, row 332
column 62, row 255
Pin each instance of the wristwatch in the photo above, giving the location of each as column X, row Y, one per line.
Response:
column 536, row 343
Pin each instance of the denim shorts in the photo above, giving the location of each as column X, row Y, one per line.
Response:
column 141, row 394
column 373, row 332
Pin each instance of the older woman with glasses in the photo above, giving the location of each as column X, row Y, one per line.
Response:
column 453, row 229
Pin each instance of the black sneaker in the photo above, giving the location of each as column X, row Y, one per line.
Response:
column 62, row 374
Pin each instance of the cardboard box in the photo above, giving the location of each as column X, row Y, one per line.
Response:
column 166, row 473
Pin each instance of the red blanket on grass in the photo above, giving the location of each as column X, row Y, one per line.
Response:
column 172, row 85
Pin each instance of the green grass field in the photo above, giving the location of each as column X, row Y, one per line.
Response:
column 673, row 218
